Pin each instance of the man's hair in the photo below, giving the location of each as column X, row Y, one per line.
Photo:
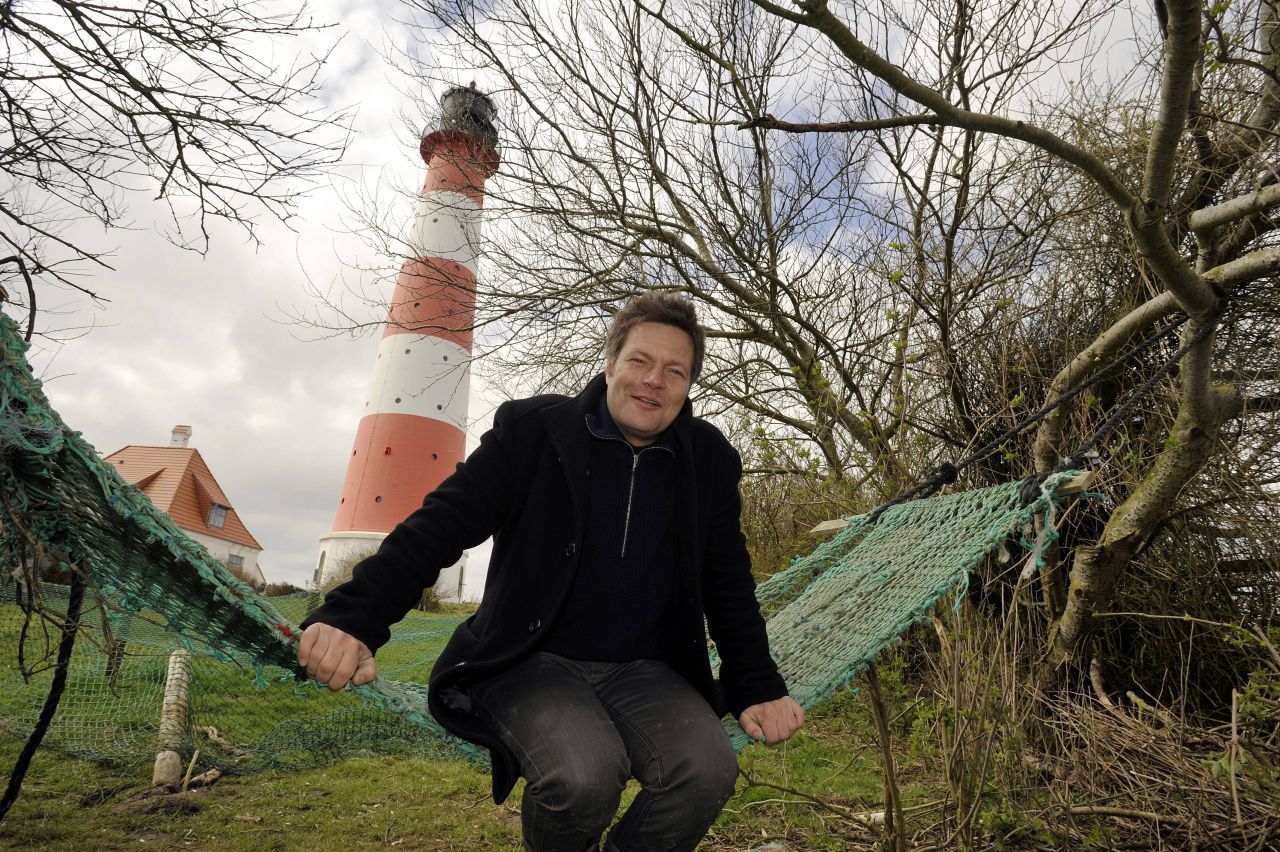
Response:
column 666, row 308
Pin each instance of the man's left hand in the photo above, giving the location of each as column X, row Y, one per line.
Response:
column 774, row 721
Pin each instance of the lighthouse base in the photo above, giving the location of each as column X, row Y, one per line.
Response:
column 340, row 551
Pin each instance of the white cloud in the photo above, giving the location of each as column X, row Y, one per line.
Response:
column 199, row 340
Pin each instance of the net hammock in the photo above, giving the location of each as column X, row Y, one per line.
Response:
column 154, row 589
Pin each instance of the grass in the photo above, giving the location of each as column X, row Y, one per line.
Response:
column 364, row 802
column 112, row 713
column 425, row 803
column 321, row 778
column 369, row 799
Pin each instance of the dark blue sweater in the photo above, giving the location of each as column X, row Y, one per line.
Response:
column 621, row 595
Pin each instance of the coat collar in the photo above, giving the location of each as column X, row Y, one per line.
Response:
column 601, row 424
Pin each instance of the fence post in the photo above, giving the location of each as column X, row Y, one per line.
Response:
column 173, row 720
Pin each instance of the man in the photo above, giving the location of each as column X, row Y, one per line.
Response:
column 615, row 517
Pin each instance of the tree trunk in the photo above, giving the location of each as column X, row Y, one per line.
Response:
column 1099, row 568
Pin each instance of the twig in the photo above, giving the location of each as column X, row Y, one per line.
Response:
column 477, row 802
column 1234, row 752
column 1102, row 810
column 1100, row 689
column 1170, row 720
column 857, row 754
column 894, row 822
column 31, row 292
column 70, row 628
column 186, row 779
column 1189, row 618
column 838, row 810
column 1263, row 838
column 1266, row 643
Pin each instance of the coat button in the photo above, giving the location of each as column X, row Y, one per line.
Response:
column 534, row 625
column 570, row 549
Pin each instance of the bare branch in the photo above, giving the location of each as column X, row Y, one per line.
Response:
column 1234, row 209
column 1182, row 50
column 100, row 102
column 818, row 16
column 1101, row 351
column 1242, row 270
column 768, row 122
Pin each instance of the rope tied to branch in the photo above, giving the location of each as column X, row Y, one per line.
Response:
column 1084, row 456
column 944, row 474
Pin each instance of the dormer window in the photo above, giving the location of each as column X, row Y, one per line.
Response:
column 217, row 515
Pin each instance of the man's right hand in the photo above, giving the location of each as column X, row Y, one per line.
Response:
column 335, row 658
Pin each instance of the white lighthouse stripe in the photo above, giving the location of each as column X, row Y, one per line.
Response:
column 421, row 375
column 447, row 225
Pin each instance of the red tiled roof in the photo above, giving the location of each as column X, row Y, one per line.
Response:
column 179, row 482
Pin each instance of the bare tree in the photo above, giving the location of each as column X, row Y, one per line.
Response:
column 1196, row 213
column 843, row 277
column 942, row 233
column 207, row 105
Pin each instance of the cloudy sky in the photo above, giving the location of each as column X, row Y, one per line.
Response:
column 206, row 341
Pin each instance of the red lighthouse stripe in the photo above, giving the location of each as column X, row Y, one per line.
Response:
column 433, row 296
column 383, row 488
column 455, row 162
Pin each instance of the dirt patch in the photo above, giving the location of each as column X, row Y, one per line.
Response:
column 161, row 801
column 102, row 795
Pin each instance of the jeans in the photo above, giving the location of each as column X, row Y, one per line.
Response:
column 581, row 729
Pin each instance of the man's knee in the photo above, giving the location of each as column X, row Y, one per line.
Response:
column 707, row 774
column 719, row 774
column 587, row 789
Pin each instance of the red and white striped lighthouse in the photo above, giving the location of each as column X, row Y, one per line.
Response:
column 412, row 434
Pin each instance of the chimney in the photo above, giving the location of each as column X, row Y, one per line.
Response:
column 181, row 434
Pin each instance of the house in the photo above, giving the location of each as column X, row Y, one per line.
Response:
column 179, row 483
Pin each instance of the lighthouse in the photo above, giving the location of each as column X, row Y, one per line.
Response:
column 412, row 433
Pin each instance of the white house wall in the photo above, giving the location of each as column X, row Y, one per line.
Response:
column 220, row 548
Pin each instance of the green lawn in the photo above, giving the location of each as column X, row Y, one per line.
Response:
column 424, row 803
column 240, row 716
column 312, row 769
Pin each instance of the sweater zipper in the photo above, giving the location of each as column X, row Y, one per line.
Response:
column 631, row 493
column 631, row 486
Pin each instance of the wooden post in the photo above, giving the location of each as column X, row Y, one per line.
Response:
column 173, row 720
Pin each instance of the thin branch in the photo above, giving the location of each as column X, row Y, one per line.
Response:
column 31, row 292
column 768, row 122
column 817, row 15
column 1242, row 270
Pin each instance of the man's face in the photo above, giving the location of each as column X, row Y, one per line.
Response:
column 649, row 380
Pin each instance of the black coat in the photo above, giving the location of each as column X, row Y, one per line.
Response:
column 526, row 484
